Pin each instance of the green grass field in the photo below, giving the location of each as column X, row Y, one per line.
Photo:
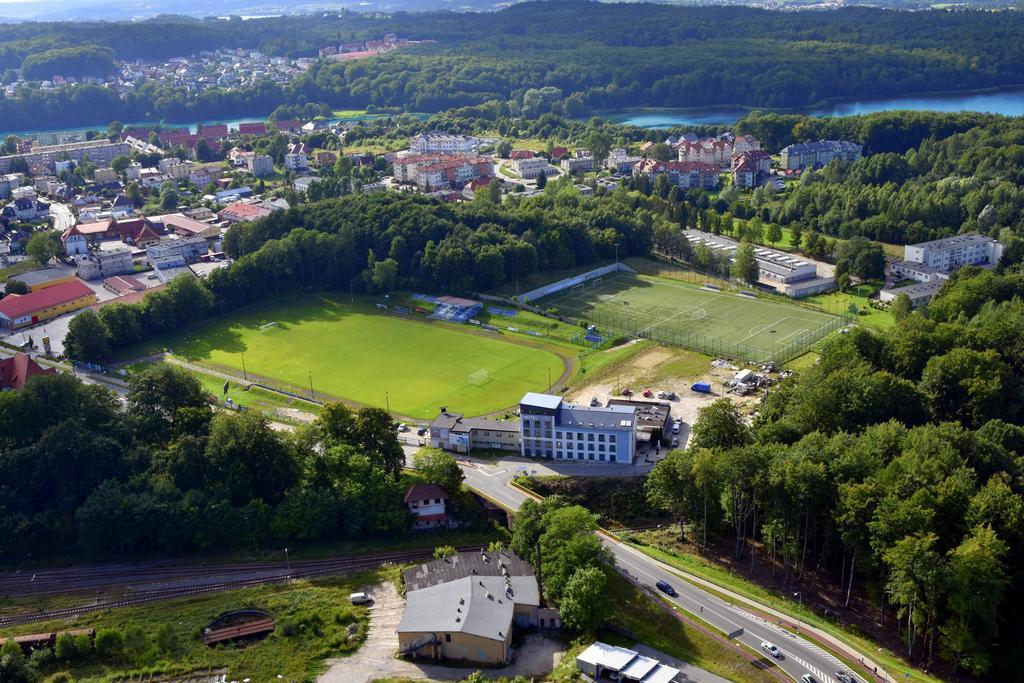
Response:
column 722, row 323
column 357, row 353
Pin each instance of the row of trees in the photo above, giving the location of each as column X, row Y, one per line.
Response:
column 165, row 474
column 895, row 462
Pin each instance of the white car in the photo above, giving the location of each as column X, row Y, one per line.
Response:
column 809, row 678
column 771, row 649
column 360, row 598
column 403, row 427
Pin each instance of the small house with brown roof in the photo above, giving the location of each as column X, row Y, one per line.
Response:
column 428, row 505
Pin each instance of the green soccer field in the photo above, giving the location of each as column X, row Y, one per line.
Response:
column 723, row 323
column 355, row 352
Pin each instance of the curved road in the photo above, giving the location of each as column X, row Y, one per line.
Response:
column 799, row 655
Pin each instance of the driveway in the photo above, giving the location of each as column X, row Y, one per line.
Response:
column 376, row 658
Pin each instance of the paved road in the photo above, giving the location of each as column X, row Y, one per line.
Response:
column 799, row 655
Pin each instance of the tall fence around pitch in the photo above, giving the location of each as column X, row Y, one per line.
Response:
column 640, row 327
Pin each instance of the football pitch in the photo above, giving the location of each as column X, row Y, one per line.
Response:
column 353, row 351
column 720, row 323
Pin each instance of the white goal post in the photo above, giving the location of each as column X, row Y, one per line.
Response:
column 479, row 377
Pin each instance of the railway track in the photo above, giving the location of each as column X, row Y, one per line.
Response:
column 270, row 573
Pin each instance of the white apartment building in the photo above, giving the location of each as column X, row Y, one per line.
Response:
column 105, row 263
column 551, row 428
column 439, row 142
column 948, row 254
column 530, row 168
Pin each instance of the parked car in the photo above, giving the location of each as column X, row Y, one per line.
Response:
column 771, row 649
column 360, row 598
column 675, row 441
column 421, row 431
column 402, row 427
column 627, row 392
column 594, row 402
column 661, row 394
column 809, row 678
column 666, row 588
column 844, row 677
column 647, row 393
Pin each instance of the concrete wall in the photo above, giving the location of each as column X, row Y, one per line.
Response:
column 462, row 646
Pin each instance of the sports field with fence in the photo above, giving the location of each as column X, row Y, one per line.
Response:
column 719, row 322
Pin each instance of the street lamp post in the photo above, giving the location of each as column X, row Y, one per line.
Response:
column 387, row 402
column 244, row 373
column 800, row 596
column 288, row 562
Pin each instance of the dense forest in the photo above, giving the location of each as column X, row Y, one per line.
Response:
column 896, row 462
column 79, row 472
column 570, row 57
column 86, row 60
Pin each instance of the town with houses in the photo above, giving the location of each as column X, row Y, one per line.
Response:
column 104, row 236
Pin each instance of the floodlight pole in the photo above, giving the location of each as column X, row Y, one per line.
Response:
column 387, row 402
column 549, row 379
column 244, row 373
column 312, row 395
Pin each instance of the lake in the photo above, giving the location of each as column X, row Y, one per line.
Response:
column 1008, row 102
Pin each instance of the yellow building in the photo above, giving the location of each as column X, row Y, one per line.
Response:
column 17, row 311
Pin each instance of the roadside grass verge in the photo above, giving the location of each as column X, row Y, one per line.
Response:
column 720, row 576
column 636, row 613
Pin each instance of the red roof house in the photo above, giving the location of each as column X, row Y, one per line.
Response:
column 252, row 129
column 17, row 370
column 523, row 154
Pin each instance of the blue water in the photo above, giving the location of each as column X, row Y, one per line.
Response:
column 1007, row 102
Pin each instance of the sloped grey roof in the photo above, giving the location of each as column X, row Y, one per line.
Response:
column 465, row 564
column 476, row 605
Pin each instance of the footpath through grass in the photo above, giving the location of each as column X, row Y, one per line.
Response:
column 699, row 566
column 315, row 621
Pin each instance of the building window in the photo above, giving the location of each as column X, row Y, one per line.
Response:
column 579, row 436
column 558, row 435
column 437, row 501
column 600, row 437
column 590, row 437
column 590, row 447
column 447, row 637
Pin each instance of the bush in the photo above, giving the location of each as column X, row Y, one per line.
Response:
column 83, row 646
column 42, row 658
column 109, row 644
column 286, row 628
column 61, row 677
column 65, row 647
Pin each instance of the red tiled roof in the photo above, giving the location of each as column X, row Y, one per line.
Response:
column 17, row 305
column 97, row 228
column 521, row 154
column 123, row 283
column 129, row 298
column 17, row 370
column 424, row 492
column 244, row 211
